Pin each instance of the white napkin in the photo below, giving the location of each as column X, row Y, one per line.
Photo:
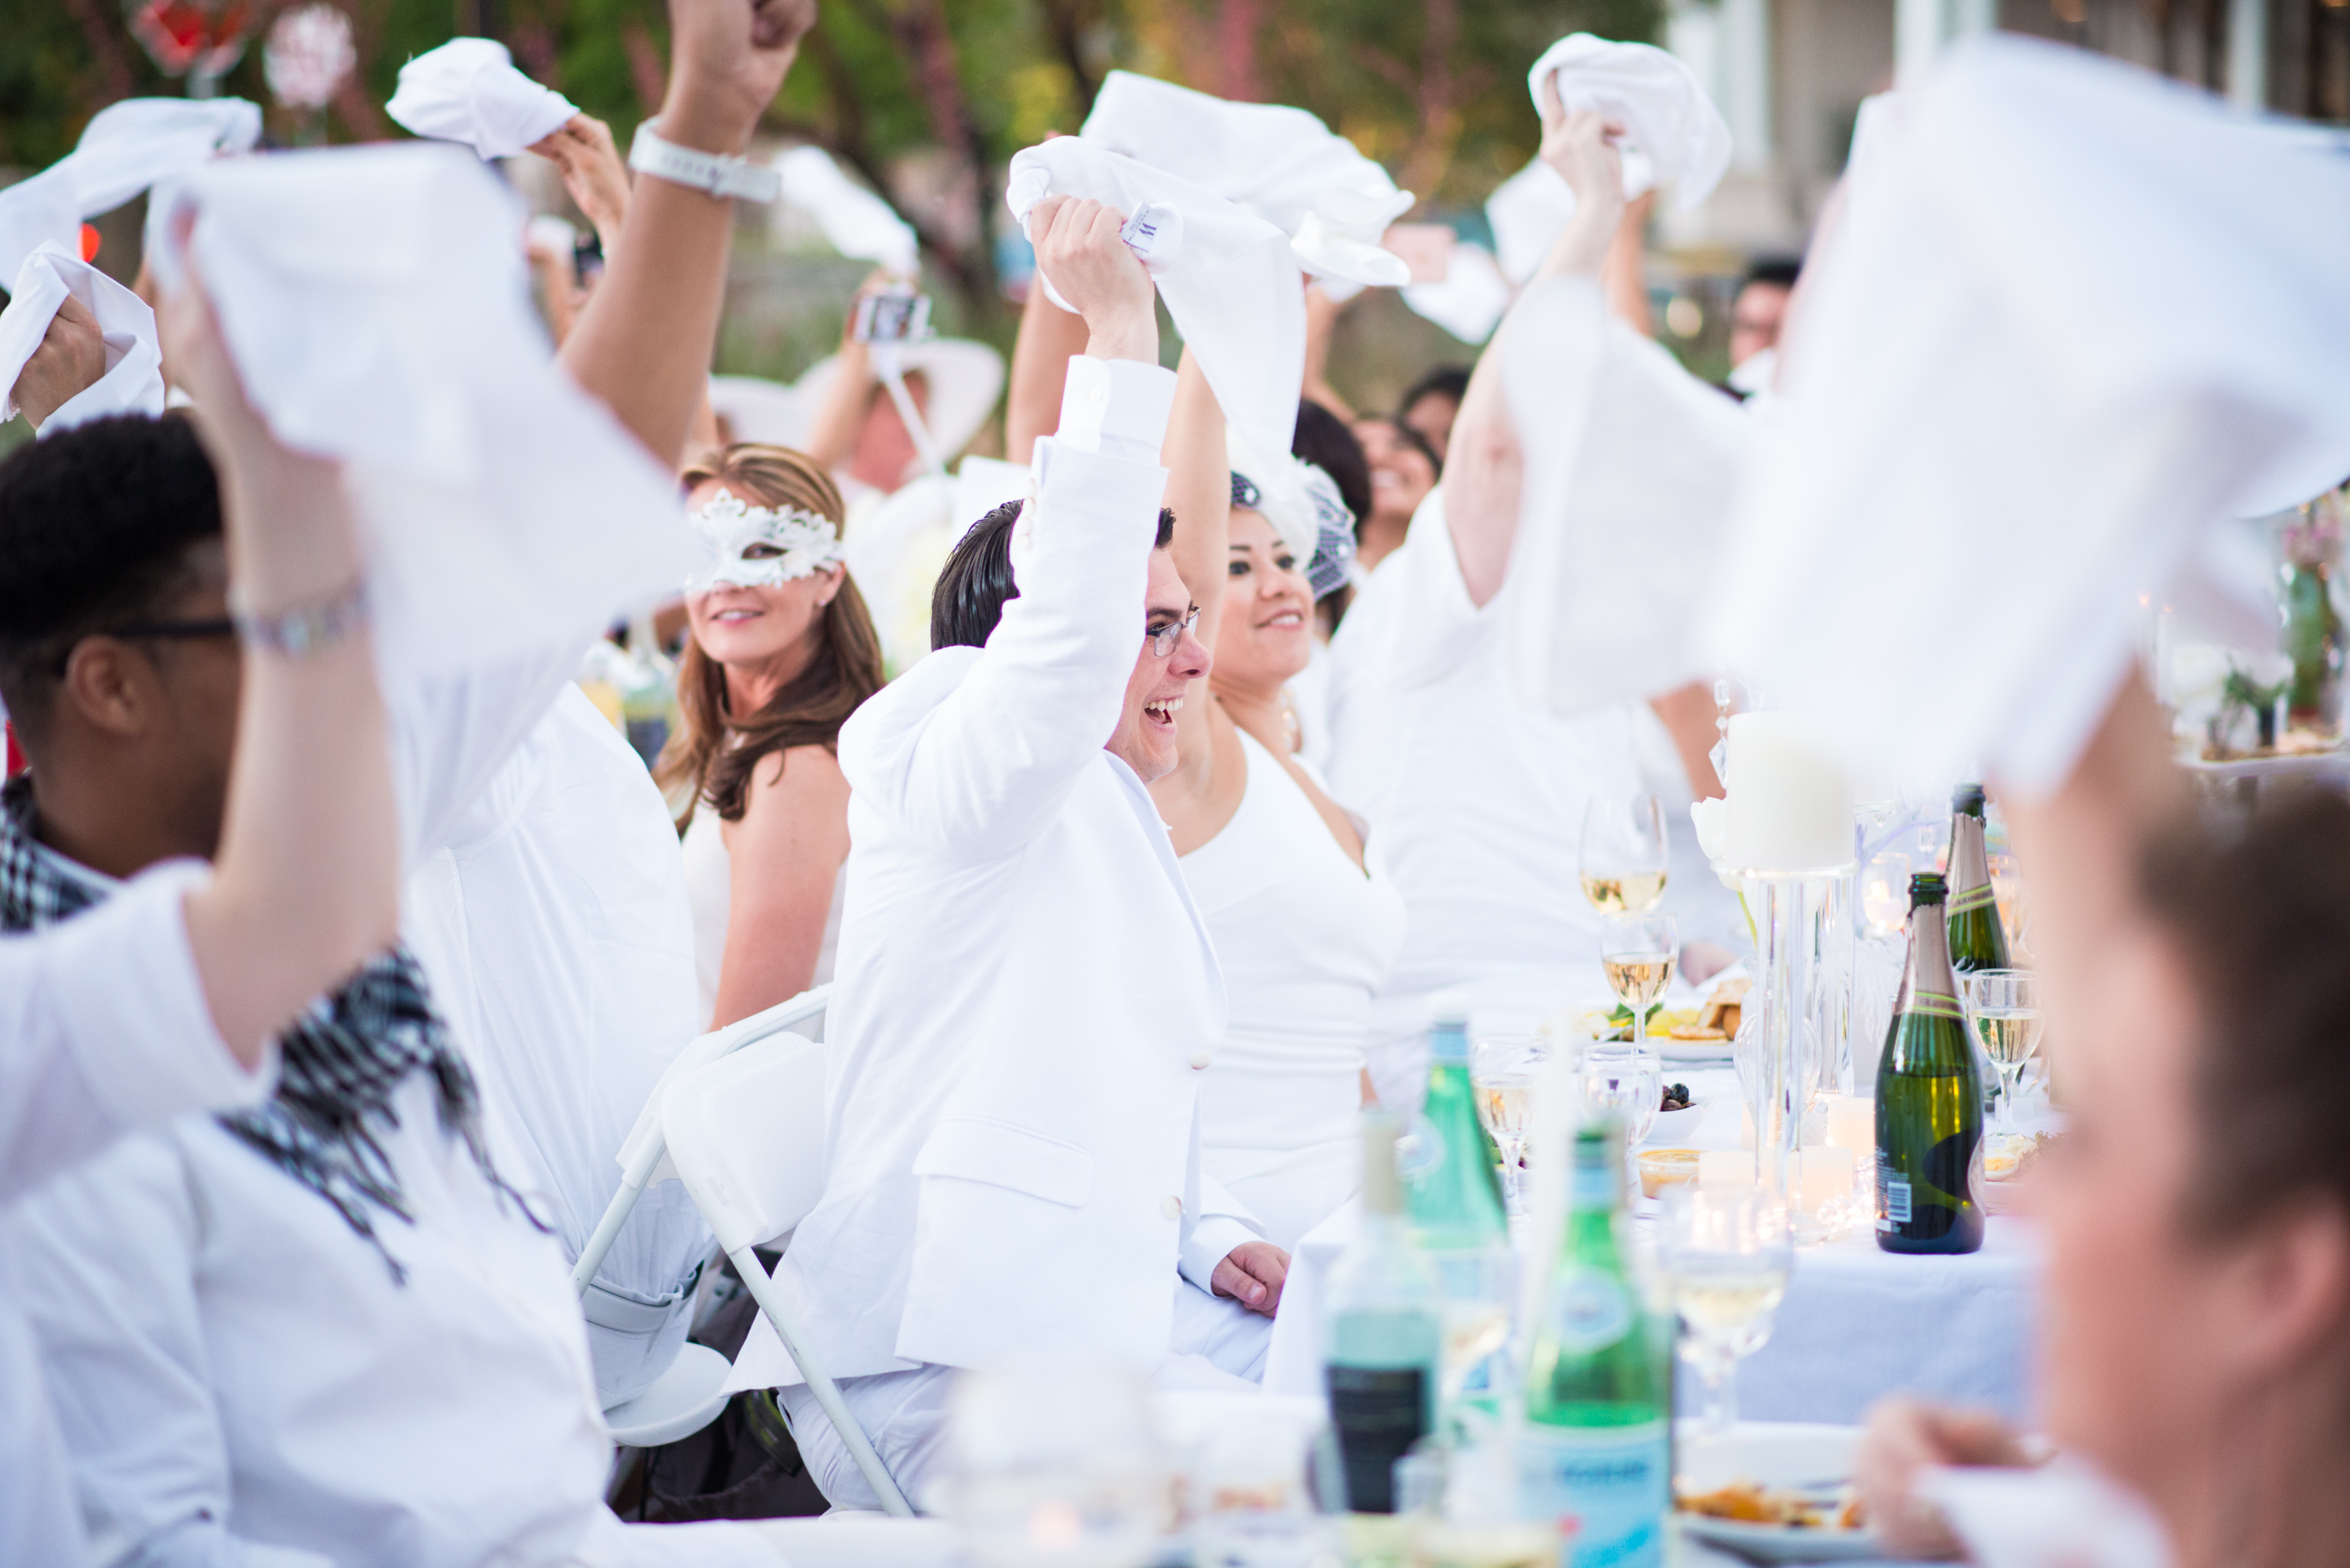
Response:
column 1280, row 163
column 126, row 148
column 857, row 222
column 1666, row 115
column 376, row 308
column 1228, row 277
column 2060, row 1515
column 1469, row 300
column 2073, row 315
column 468, row 90
column 133, row 382
column 1632, row 467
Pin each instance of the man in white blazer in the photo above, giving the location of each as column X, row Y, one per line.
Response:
column 1026, row 996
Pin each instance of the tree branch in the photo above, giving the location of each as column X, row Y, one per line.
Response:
column 1064, row 25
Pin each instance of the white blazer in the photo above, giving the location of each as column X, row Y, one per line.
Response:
column 1027, row 997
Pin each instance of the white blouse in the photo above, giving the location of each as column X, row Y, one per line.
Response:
column 1305, row 940
column 710, row 888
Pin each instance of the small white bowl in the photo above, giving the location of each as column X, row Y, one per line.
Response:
column 1677, row 1127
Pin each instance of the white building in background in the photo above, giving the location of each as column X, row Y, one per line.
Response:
column 1789, row 76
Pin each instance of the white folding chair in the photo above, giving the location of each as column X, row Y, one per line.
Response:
column 642, row 1153
column 746, row 1135
column 686, row 1397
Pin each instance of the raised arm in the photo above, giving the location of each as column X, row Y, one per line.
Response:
column 1040, row 366
column 1483, row 465
column 1199, row 493
column 644, row 344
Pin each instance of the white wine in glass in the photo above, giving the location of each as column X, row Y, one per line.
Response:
column 1624, row 892
column 1726, row 1256
column 2004, row 1005
column 1623, row 854
column 1638, row 952
column 1638, row 979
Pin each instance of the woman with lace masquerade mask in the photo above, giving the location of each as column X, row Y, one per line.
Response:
column 782, row 650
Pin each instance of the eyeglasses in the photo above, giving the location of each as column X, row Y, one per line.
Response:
column 169, row 630
column 1162, row 640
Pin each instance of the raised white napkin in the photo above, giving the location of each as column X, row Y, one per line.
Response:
column 1280, row 163
column 857, row 222
column 126, row 148
column 1632, row 469
column 2074, row 315
column 133, row 382
column 1229, row 277
column 376, row 305
column 1469, row 300
column 1666, row 115
column 469, row 90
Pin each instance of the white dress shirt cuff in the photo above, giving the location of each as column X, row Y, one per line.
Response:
column 1210, row 1241
column 149, row 1049
column 1117, row 408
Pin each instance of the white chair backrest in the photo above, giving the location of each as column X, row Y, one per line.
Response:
column 746, row 1133
column 710, row 1047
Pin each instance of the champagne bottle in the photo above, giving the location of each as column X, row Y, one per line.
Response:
column 1599, row 1381
column 1383, row 1330
column 1978, row 940
column 1929, row 1099
column 1452, row 1192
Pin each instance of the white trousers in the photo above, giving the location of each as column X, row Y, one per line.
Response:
column 1215, row 1343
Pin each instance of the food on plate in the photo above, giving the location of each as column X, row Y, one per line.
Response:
column 1695, row 1032
column 1750, row 1502
column 1663, row 1167
column 1676, row 1099
column 2006, row 1154
column 1724, row 1005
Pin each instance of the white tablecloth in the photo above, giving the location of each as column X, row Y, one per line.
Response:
column 1858, row 1322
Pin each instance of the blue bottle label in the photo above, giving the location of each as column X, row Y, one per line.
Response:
column 1612, row 1482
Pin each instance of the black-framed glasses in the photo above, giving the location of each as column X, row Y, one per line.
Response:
column 1163, row 639
column 167, row 631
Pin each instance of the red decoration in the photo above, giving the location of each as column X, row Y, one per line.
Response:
column 202, row 37
column 15, row 763
column 89, row 242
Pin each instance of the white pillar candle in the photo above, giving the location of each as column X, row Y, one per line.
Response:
column 1852, row 1123
column 1790, row 803
column 1719, row 1167
column 1830, row 1176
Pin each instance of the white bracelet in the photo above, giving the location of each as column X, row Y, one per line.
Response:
column 714, row 172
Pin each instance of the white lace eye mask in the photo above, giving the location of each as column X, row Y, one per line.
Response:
column 754, row 547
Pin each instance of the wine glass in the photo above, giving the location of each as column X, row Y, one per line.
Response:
column 2004, row 1005
column 1502, row 1078
column 1625, row 1084
column 1726, row 1254
column 1623, row 858
column 1056, row 1465
column 1638, row 952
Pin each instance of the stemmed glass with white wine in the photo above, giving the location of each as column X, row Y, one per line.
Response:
column 1502, row 1078
column 1623, row 858
column 1725, row 1254
column 2004, row 1005
column 1638, row 952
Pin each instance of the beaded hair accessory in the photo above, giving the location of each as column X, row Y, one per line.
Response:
column 759, row 547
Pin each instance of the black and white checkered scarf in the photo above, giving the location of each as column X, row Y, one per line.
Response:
column 339, row 1063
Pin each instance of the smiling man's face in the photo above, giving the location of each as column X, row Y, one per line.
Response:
column 1145, row 738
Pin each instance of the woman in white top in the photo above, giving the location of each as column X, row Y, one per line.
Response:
column 782, row 650
column 1304, row 923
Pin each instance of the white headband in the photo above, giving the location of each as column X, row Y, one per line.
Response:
column 805, row 543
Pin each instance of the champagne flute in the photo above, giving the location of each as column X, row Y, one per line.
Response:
column 1726, row 1255
column 1502, row 1078
column 2004, row 1005
column 1638, row 952
column 1623, row 855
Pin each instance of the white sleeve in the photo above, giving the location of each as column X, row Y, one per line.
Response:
column 1223, row 1224
column 123, row 1347
column 449, row 734
column 991, row 766
column 104, row 1028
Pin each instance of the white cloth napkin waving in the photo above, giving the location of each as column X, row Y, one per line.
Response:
column 1470, row 299
column 857, row 222
column 2074, row 316
column 133, row 382
column 1228, row 277
column 1280, row 163
column 469, row 90
column 376, row 305
column 126, row 148
column 1666, row 115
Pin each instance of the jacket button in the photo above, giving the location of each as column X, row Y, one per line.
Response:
column 1170, row 1207
column 1199, row 1059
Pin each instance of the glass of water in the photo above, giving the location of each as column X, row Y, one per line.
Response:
column 1502, row 1078
column 1725, row 1254
column 1623, row 1082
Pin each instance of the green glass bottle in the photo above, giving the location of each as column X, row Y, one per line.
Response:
column 1382, row 1335
column 1978, row 940
column 1929, row 1099
column 1452, row 1195
column 1596, row 1444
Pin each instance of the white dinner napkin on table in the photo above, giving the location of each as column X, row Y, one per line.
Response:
column 376, row 305
column 1280, row 163
column 469, row 90
column 2072, row 318
column 133, row 382
column 857, row 222
column 1229, row 277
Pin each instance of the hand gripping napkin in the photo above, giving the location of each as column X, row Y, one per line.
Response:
column 2072, row 318
column 1228, row 277
column 468, row 90
column 1666, row 115
column 1280, row 163
column 133, row 381
column 376, row 305
column 857, row 222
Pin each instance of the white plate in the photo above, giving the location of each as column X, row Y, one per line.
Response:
column 1773, row 1453
column 1671, row 1050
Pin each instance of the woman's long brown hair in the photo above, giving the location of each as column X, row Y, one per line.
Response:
column 716, row 752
